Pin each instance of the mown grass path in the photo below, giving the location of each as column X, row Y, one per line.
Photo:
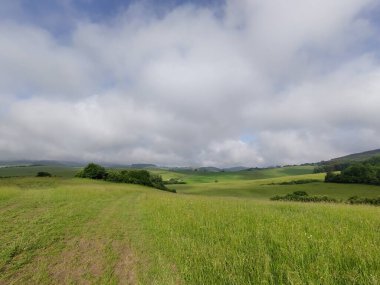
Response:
column 65, row 234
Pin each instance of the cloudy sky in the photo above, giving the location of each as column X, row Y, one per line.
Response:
column 181, row 82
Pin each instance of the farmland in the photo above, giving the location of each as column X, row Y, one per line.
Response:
column 79, row 231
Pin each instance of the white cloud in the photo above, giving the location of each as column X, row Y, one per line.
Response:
column 183, row 88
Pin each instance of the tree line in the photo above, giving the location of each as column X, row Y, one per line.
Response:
column 302, row 196
column 141, row 177
column 331, row 166
column 366, row 172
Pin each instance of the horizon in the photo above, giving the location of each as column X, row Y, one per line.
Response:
column 189, row 82
column 126, row 164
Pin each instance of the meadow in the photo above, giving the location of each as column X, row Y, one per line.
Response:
column 64, row 230
column 263, row 189
column 21, row 171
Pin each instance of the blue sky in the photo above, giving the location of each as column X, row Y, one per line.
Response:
column 38, row 11
column 225, row 83
column 59, row 17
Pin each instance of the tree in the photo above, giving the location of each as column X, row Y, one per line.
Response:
column 93, row 171
column 330, row 177
column 142, row 177
column 43, row 174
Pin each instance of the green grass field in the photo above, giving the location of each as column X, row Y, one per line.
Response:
column 191, row 176
column 64, row 230
column 261, row 188
column 61, row 171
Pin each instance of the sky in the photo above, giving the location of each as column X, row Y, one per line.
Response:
column 189, row 83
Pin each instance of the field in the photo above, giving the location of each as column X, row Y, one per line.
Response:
column 20, row 171
column 263, row 188
column 64, row 230
column 207, row 177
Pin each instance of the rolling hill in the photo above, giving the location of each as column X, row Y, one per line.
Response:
column 361, row 156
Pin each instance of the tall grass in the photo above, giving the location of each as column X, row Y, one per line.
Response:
column 76, row 231
column 262, row 188
column 225, row 241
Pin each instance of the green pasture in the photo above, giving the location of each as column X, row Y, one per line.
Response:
column 60, row 171
column 78, row 231
column 191, row 176
column 264, row 188
column 237, row 241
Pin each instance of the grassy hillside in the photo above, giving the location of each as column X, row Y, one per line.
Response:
column 262, row 188
column 188, row 175
column 357, row 156
column 191, row 176
column 72, row 231
column 258, row 183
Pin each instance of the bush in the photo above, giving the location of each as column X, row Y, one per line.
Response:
column 43, row 174
column 358, row 200
column 300, row 193
column 93, row 171
column 141, row 177
column 174, row 181
column 296, row 182
column 302, row 196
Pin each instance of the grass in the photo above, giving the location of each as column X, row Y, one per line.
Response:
column 224, row 241
column 187, row 175
column 207, row 177
column 55, row 230
column 65, row 231
column 262, row 188
column 60, row 171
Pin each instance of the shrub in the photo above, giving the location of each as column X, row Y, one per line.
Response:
column 93, row 171
column 174, row 181
column 302, row 196
column 358, row 200
column 300, row 193
column 141, row 177
column 43, row 174
column 296, row 182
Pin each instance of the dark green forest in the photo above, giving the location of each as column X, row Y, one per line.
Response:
column 366, row 172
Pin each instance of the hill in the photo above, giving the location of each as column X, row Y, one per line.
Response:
column 21, row 163
column 340, row 163
column 357, row 157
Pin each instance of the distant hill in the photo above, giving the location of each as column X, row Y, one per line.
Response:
column 340, row 163
column 361, row 156
column 209, row 169
column 335, row 164
column 235, row 169
column 21, row 163
column 143, row 165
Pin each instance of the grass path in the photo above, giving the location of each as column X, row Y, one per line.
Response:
column 68, row 236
